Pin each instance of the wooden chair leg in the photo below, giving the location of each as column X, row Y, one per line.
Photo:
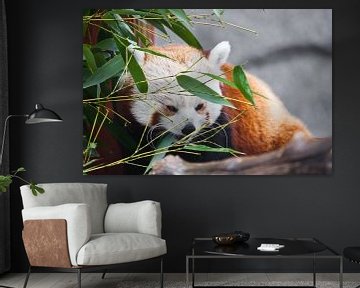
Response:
column 27, row 277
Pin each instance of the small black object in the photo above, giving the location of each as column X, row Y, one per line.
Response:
column 241, row 236
column 352, row 253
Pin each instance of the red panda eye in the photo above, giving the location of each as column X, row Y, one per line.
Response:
column 199, row 107
column 171, row 108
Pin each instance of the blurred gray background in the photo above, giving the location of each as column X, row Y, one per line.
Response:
column 292, row 52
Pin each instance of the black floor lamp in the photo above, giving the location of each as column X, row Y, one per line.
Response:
column 39, row 115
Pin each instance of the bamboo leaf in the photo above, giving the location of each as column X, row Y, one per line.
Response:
column 199, row 89
column 153, row 52
column 166, row 141
column 108, row 70
column 117, row 24
column 134, row 68
column 242, row 84
column 158, row 25
column 131, row 12
column 86, row 73
column 144, row 39
column 184, row 33
column 205, row 148
column 220, row 79
column 181, row 15
column 107, row 44
column 89, row 58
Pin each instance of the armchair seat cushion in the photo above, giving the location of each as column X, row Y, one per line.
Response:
column 113, row 248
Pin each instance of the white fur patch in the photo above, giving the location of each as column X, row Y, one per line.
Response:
column 165, row 91
column 219, row 54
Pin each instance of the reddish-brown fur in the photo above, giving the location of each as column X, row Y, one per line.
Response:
column 253, row 131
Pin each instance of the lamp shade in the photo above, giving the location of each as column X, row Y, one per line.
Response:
column 42, row 115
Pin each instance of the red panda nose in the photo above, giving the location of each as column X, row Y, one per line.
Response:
column 189, row 128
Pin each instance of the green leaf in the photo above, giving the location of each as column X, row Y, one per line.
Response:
column 100, row 58
column 223, row 80
column 89, row 58
column 153, row 52
column 199, row 89
column 86, row 73
column 128, row 12
column 144, row 39
column 181, row 15
column 205, row 148
column 165, row 142
column 117, row 24
column 157, row 24
column 184, row 33
column 107, row 44
column 36, row 189
column 242, row 84
column 5, row 182
column 20, row 169
column 108, row 70
column 134, row 68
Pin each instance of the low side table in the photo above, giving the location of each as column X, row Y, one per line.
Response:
column 294, row 248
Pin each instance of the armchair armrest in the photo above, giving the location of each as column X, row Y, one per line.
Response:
column 138, row 217
column 78, row 225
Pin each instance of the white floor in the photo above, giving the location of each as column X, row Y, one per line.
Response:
column 117, row 280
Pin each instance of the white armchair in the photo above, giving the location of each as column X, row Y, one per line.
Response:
column 72, row 228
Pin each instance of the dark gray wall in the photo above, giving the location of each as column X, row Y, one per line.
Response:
column 4, row 166
column 45, row 67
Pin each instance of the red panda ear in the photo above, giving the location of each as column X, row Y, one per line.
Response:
column 139, row 55
column 219, row 54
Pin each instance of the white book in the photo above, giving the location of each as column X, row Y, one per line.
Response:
column 270, row 247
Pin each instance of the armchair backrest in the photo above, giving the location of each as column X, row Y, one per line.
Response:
column 92, row 194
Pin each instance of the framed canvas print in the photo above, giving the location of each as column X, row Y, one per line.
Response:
column 207, row 92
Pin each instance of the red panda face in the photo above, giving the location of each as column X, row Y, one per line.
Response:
column 167, row 106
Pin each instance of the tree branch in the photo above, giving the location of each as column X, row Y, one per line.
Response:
column 301, row 156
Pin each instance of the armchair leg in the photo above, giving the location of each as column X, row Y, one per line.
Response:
column 79, row 277
column 103, row 275
column 161, row 273
column 27, row 277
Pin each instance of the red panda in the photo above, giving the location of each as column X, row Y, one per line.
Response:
column 265, row 127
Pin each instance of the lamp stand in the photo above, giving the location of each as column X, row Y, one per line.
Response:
column 4, row 135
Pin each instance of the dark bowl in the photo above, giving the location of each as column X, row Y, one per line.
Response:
column 231, row 238
column 225, row 239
